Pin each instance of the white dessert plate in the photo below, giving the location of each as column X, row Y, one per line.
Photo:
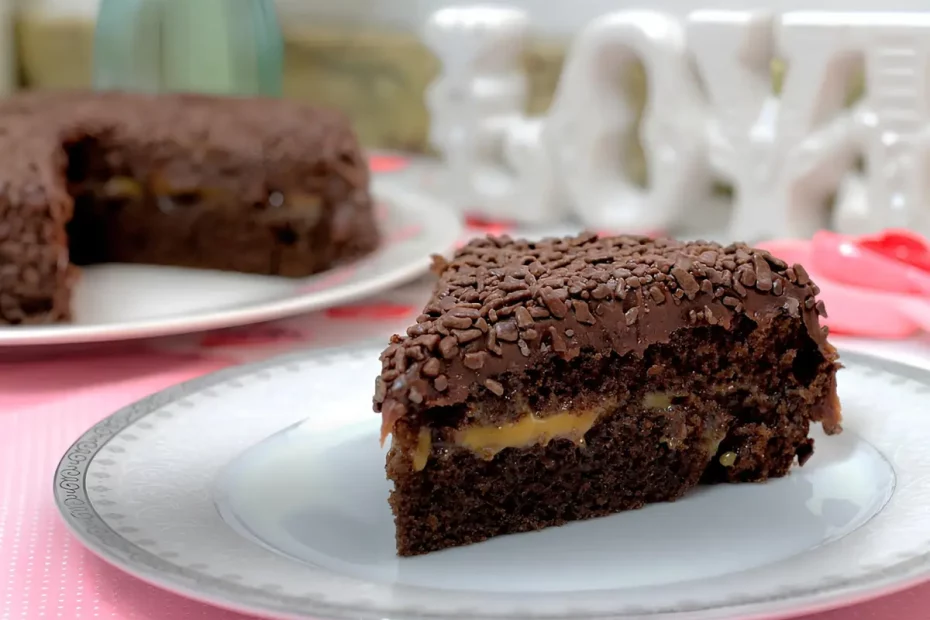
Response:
column 261, row 489
column 121, row 302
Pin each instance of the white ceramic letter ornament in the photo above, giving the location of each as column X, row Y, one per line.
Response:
column 493, row 159
column 784, row 155
column 891, row 126
column 591, row 116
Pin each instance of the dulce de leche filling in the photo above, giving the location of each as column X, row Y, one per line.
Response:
column 532, row 428
column 529, row 430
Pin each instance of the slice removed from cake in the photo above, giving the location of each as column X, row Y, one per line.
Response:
column 573, row 378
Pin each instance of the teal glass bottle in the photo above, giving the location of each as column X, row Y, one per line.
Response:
column 221, row 47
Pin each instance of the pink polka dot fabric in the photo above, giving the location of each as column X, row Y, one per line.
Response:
column 44, row 571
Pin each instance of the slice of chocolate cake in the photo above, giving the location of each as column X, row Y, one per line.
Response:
column 573, row 378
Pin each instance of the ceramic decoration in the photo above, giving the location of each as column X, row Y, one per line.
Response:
column 491, row 150
column 874, row 286
column 784, row 154
column 591, row 115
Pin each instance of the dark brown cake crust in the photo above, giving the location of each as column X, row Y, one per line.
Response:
column 705, row 363
column 249, row 185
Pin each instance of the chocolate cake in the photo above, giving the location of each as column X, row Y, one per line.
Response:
column 573, row 378
column 247, row 185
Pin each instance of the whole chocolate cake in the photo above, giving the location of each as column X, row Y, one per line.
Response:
column 573, row 378
column 249, row 185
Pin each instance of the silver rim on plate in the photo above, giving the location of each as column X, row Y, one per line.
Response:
column 71, row 486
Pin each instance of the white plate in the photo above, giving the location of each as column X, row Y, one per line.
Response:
column 119, row 302
column 181, row 490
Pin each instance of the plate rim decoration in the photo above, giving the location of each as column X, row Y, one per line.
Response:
column 81, row 516
column 442, row 225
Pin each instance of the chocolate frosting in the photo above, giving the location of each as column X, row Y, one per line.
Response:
column 503, row 305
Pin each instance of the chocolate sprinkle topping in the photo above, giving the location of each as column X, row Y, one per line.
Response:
column 494, row 386
column 503, row 305
column 475, row 361
column 583, row 312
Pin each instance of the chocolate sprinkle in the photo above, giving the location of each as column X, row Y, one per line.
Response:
column 524, row 318
column 448, row 347
column 820, row 308
column 686, row 281
column 657, row 295
column 455, row 322
column 763, row 273
column 507, row 331
column 475, row 361
column 555, row 305
column 558, row 344
column 494, row 386
column 583, row 312
column 431, row 368
column 466, row 335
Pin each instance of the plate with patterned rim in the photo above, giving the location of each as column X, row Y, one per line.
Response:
column 121, row 302
column 261, row 489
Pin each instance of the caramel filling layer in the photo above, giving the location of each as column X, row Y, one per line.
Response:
column 127, row 188
column 424, row 447
column 529, row 430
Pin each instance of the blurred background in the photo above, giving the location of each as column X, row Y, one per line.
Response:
column 362, row 56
